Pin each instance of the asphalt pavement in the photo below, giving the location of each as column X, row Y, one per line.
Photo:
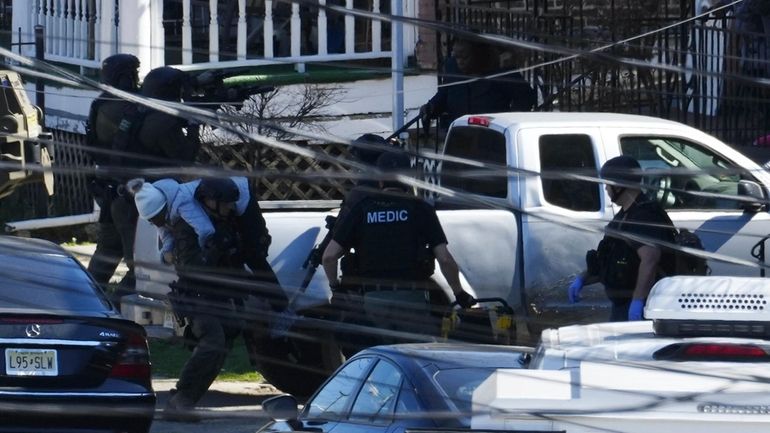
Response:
column 227, row 407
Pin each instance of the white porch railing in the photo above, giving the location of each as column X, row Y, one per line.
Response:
column 196, row 34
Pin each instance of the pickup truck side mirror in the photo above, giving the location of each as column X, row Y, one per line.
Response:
column 751, row 189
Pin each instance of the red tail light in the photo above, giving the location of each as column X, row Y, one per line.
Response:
column 713, row 352
column 724, row 350
column 134, row 361
column 479, row 121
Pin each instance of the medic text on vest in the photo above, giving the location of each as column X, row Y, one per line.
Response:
column 387, row 216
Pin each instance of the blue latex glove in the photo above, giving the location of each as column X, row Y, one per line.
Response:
column 574, row 289
column 636, row 310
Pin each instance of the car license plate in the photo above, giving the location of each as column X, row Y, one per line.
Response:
column 31, row 362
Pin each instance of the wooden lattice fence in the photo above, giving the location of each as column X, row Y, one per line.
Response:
column 284, row 175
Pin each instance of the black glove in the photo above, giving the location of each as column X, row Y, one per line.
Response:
column 264, row 244
column 426, row 114
column 464, row 300
column 592, row 263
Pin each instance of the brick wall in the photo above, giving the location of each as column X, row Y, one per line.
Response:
column 425, row 51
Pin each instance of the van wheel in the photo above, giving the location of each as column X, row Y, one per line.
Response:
column 297, row 364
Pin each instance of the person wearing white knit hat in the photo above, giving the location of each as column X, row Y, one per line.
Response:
column 150, row 202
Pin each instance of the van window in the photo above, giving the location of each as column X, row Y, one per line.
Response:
column 684, row 175
column 478, row 144
column 565, row 155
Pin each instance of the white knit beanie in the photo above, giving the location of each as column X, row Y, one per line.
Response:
column 149, row 201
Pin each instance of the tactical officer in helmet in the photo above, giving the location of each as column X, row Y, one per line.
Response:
column 162, row 139
column 124, row 138
column 208, row 307
column 117, row 219
column 626, row 265
column 215, row 279
column 365, row 150
column 395, row 236
column 231, row 202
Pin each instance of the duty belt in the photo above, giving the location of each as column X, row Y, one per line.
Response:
column 194, row 294
column 390, row 286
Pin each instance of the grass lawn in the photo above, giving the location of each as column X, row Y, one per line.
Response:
column 167, row 358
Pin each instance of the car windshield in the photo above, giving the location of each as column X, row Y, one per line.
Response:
column 459, row 383
column 62, row 285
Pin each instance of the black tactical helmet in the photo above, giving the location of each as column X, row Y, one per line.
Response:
column 393, row 162
column 362, row 149
column 164, row 83
column 217, row 189
column 121, row 71
column 622, row 169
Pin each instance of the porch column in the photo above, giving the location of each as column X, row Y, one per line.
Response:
column 23, row 16
column 157, row 36
column 397, row 63
column 105, row 33
column 135, row 31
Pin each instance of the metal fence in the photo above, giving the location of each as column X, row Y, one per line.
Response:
column 702, row 72
column 71, row 176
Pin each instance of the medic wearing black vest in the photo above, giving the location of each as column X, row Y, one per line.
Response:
column 395, row 236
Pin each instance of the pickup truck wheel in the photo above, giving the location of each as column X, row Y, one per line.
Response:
column 297, row 364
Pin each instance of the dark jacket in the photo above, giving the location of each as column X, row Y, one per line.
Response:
column 158, row 139
column 200, row 273
column 104, row 117
column 392, row 234
column 162, row 136
column 507, row 93
column 617, row 252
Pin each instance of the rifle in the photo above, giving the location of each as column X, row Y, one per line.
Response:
column 210, row 87
column 313, row 259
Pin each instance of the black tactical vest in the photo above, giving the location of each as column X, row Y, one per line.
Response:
column 390, row 243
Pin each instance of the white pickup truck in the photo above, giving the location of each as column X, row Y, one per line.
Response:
column 538, row 219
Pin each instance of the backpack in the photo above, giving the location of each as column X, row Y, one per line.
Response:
column 92, row 141
column 126, row 140
column 678, row 262
column 683, row 262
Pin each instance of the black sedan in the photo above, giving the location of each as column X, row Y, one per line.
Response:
column 69, row 361
column 394, row 388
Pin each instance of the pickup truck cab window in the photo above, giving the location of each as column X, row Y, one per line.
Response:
column 477, row 144
column 707, row 179
column 569, row 154
column 700, row 188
